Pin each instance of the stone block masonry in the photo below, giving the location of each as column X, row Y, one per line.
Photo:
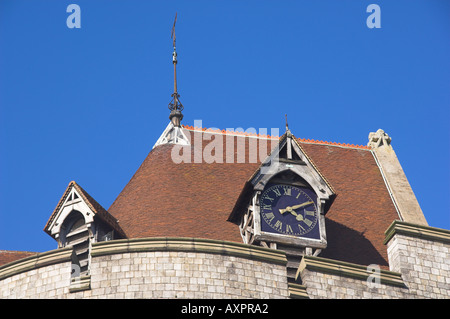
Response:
column 422, row 255
column 331, row 279
column 185, row 268
column 419, row 263
column 419, row 267
column 154, row 268
column 45, row 275
column 176, row 274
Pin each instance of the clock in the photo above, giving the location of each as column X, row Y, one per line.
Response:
column 289, row 210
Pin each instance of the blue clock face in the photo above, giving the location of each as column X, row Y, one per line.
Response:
column 289, row 210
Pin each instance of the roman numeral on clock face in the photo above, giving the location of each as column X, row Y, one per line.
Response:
column 289, row 229
column 270, row 217
column 277, row 192
column 307, row 222
column 309, row 213
column 278, row 225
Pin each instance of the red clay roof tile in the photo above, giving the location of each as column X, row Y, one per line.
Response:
column 195, row 199
column 7, row 256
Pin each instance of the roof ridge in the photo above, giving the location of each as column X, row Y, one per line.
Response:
column 312, row 141
column 17, row 251
column 301, row 140
column 210, row 130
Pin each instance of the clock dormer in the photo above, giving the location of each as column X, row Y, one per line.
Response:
column 283, row 204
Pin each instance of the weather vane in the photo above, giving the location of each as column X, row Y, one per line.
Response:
column 175, row 105
column 173, row 31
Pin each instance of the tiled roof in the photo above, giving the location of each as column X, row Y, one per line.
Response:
column 181, row 200
column 363, row 208
column 165, row 199
column 7, row 256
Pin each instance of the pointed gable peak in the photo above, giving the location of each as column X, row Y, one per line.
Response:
column 290, row 155
column 75, row 198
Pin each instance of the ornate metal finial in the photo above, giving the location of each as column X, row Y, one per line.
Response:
column 175, row 105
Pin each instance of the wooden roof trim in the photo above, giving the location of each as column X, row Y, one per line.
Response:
column 314, row 165
column 91, row 203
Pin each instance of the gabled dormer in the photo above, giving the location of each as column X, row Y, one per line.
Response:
column 78, row 221
column 285, row 200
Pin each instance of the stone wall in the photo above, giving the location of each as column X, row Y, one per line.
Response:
column 422, row 255
column 155, row 268
column 331, row 279
column 419, row 259
column 419, row 263
column 174, row 274
column 46, row 275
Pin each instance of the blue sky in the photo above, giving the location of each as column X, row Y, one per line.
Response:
column 88, row 104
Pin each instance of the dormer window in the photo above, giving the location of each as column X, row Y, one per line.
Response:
column 73, row 225
column 75, row 233
column 79, row 221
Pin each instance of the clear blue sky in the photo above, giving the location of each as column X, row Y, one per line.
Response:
column 88, row 104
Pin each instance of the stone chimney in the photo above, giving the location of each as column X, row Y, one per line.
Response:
column 401, row 191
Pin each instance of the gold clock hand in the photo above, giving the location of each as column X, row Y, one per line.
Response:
column 299, row 217
column 290, row 209
column 287, row 209
column 301, row 205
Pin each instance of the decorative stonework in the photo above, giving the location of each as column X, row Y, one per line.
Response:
column 378, row 138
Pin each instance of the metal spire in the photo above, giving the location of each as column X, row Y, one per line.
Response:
column 175, row 105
